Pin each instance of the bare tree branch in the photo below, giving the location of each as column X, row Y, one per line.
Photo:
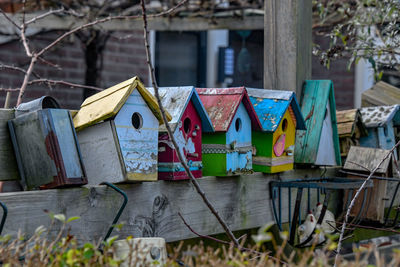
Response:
column 50, row 12
column 10, row 67
column 49, row 63
column 240, row 247
column 353, row 201
column 171, row 136
column 26, row 79
column 54, row 82
column 9, row 90
column 9, row 19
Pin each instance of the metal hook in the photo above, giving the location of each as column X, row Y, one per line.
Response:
column 3, row 219
column 121, row 209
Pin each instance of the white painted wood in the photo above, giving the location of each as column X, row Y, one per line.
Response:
column 243, row 201
column 100, row 154
column 139, row 147
column 364, row 80
column 326, row 149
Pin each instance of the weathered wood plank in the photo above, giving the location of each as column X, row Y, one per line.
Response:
column 287, row 44
column 158, row 24
column 243, row 201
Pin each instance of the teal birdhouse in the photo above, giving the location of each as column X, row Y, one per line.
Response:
column 319, row 144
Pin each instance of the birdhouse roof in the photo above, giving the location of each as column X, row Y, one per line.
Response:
column 381, row 94
column 379, row 116
column 175, row 101
column 348, row 120
column 271, row 105
column 107, row 103
column 317, row 95
column 222, row 103
column 366, row 159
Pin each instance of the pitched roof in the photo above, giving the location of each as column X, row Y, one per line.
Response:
column 271, row 105
column 379, row 116
column 175, row 101
column 366, row 159
column 381, row 94
column 222, row 104
column 317, row 94
column 107, row 103
column 347, row 120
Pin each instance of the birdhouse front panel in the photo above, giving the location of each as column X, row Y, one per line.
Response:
column 137, row 132
column 280, row 116
column 187, row 134
column 278, row 148
column 238, row 143
column 118, row 133
column 228, row 151
column 381, row 122
column 189, row 120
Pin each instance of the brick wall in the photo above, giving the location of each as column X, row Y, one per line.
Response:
column 343, row 80
column 123, row 58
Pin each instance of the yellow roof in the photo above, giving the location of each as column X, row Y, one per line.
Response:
column 108, row 102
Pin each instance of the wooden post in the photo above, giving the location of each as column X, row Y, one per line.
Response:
column 287, row 44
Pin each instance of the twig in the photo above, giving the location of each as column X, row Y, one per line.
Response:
column 10, row 67
column 53, row 82
column 26, row 79
column 371, row 227
column 49, row 63
column 10, row 20
column 48, row 13
column 353, row 201
column 359, row 165
column 171, row 136
column 37, row 56
column 200, row 235
column 9, row 89
column 241, row 248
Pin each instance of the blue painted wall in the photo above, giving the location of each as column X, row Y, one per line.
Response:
column 242, row 137
column 379, row 137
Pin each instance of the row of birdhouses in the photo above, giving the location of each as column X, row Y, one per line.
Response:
column 219, row 131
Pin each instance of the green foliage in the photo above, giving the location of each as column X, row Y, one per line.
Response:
column 45, row 249
column 359, row 29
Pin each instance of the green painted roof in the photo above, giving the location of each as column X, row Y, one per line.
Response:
column 316, row 95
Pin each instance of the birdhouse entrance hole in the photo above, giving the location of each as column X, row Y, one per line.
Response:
column 238, row 124
column 137, row 120
column 284, row 125
column 186, row 125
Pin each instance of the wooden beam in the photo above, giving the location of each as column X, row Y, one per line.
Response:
column 159, row 24
column 243, row 201
column 287, row 44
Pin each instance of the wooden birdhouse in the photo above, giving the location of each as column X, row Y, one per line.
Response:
column 189, row 120
column 118, row 134
column 280, row 116
column 350, row 129
column 360, row 161
column 228, row 151
column 319, row 144
column 383, row 125
column 45, row 146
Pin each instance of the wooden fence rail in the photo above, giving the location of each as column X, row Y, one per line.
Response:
column 243, row 201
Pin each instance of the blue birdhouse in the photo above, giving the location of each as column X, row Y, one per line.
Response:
column 381, row 123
